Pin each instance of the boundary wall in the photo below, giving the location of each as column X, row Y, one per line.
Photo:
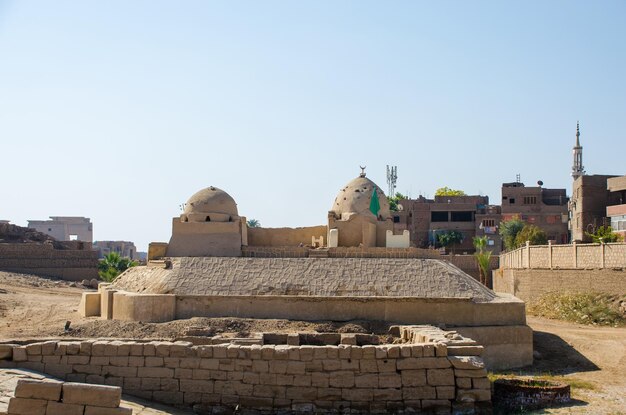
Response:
column 572, row 256
column 530, row 284
column 445, row 376
column 74, row 261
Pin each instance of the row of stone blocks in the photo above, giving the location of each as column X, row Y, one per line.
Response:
column 34, row 397
column 272, row 377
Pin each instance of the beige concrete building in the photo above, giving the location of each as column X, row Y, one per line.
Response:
column 65, row 228
column 125, row 249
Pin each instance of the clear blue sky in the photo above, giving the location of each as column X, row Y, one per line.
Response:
column 119, row 110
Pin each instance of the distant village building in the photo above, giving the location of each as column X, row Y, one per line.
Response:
column 125, row 249
column 535, row 205
column 473, row 216
column 65, row 228
column 588, row 207
column 617, row 212
column 597, row 200
column 470, row 215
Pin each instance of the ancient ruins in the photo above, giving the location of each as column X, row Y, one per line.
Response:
column 448, row 327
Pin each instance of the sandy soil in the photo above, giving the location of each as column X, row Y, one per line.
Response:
column 593, row 359
column 45, row 305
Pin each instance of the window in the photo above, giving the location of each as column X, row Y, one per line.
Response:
column 396, row 219
column 489, row 222
column 512, row 201
column 438, row 216
column 530, row 200
column 462, row 216
column 73, row 237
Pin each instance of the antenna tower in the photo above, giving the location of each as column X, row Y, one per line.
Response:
column 392, row 178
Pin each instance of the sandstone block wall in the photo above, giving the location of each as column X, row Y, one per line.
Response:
column 34, row 397
column 530, row 284
column 76, row 262
column 268, row 378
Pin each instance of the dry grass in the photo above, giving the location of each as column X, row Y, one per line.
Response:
column 583, row 308
column 545, row 377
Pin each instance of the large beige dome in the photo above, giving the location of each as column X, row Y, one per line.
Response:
column 356, row 197
column 210, row 204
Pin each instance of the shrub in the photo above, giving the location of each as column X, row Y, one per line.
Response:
column 583, row 308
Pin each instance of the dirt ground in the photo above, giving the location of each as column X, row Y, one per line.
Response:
column 591, row 359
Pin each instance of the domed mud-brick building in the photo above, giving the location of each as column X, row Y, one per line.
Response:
column 210, row 225
column 360, row 215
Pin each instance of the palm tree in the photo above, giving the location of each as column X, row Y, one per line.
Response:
column 113, row 265
column 253, row 223
column 483, row 257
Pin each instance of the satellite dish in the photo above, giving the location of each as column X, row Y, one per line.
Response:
column 540, row 183
column 400, row 208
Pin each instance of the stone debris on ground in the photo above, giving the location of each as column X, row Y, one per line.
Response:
column 9, row 379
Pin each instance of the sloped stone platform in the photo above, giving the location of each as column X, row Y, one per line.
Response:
column 332, row 277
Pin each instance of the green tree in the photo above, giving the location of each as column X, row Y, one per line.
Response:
column 253, row 223
column 113, row 265
column 509, row 230
column 604, row 234
column 448, row 238
column 393, row 201
column 446, row 191
column 533, row 234
column 483, row 257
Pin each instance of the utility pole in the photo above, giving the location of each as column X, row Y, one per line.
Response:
column 392, row 178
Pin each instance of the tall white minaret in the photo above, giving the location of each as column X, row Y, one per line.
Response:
column 577, row 168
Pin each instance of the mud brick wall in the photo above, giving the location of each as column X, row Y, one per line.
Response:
column 71, row 263
column 530, row 284
column 269, row 377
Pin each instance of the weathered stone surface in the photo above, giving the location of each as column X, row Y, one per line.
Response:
column 19, row 354
column 95, row 410
column 97, row 395
column 440, row 377
column 6, row 351
column 23, row 406
column 59, row 408
column 465, row 350
column 473, row 395
column 305, row 276
column 34, row 389
column 466, row 362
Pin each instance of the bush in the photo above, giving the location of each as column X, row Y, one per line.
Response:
column 583, row 308
column 532, row 234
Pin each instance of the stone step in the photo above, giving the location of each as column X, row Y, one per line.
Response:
column 318, row 253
